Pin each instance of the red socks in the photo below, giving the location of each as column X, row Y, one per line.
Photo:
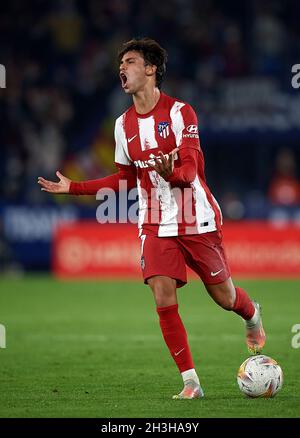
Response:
column 243, row 306
column 175, row 336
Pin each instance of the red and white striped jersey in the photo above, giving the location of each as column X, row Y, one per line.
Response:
column 164, row 208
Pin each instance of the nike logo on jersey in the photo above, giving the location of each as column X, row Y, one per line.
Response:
column 213, row 274
column 178, row 352
column 131, row 138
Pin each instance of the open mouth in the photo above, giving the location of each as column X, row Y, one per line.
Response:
column 123, row 79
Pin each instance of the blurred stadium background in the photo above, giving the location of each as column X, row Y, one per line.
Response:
column 231, row 60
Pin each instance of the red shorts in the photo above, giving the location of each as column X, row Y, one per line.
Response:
column 168, row 256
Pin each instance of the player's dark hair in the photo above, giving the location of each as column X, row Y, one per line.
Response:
column 152, row 53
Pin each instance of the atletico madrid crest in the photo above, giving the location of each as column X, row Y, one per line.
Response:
column 163, row 129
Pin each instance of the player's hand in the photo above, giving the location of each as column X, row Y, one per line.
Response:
column 63, row 186
column 164, row 166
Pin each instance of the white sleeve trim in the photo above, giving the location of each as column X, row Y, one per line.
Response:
column 177, row 121
column 121, row 151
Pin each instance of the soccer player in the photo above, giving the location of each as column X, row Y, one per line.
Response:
column 158, row 151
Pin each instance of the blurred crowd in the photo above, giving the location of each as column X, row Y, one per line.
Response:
column 63, row 94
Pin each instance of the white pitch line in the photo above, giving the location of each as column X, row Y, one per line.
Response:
column 132, row 338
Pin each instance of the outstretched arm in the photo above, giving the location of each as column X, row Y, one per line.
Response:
column 60, row 187
column 90, row 187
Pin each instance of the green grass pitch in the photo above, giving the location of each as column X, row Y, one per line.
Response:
column 94, row 349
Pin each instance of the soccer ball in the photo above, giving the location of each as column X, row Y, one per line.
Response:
column 260, row 376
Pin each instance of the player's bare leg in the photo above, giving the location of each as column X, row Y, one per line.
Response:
column 164, row 291
column 236, row 299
